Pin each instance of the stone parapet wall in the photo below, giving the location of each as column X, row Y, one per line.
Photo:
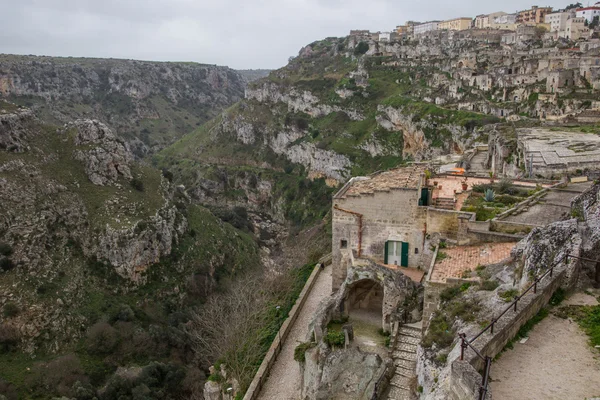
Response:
column 265, row 367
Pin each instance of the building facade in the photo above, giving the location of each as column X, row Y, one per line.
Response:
column 456, row 24
column 558, row 20
column 426, row 27
column 588, row 13
column 575, row 29
column 535, row 15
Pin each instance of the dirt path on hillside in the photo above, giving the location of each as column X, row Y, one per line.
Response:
column 283, row 382
column 556, row 362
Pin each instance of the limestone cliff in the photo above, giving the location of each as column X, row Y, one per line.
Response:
column 149, row 104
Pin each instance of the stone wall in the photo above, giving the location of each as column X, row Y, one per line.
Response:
column 464, row 382
column 390, row 215
column 582, row 204
column 508, row 326
column 263, row 371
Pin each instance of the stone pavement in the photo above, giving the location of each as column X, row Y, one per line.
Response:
column 554, row 206
column 462, row 258
column 284, row 379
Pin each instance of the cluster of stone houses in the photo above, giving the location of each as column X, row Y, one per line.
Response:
column 569, row 23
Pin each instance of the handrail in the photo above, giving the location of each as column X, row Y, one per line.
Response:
column 465, row 343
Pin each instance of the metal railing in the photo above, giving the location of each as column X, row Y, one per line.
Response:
column 466, row 343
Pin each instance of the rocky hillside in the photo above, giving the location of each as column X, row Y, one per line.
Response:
column 149, row 104
column 331, row 113
column 102, row 259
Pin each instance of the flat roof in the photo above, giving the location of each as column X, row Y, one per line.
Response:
column 397, row 178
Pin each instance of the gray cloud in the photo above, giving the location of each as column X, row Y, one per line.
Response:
column 237, row 33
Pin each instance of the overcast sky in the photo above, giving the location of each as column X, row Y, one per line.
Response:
column 238, row 33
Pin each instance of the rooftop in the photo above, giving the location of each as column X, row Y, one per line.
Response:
column 466, row 258
column 398, row 178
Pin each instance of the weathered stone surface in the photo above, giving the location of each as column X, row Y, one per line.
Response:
column 341, row 374
column 106, row 157
column 13, row 130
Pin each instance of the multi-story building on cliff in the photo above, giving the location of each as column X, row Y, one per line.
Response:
column 588, row 13
column 558, row 20
column 456, row 24
column 534, row 16
column 426, row 27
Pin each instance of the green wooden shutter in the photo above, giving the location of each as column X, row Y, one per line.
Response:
column 385, row 254
column 404, row 257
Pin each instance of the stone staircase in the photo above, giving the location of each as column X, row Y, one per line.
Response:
column 478, row 163
column 444, row 203
column 405, row 361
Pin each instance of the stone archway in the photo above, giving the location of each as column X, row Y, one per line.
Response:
column 365, row 301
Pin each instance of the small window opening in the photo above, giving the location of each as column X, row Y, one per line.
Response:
column 344, row 244
column 416, row 250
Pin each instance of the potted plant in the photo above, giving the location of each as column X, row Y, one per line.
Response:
column 464, row 184
column 427, row 176
column 491, row 176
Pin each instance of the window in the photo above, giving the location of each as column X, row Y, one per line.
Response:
column 417, row 249
column 343, row 244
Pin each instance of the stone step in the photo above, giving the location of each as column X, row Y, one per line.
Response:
column 406, row 364
column 399, row 394
column 403, row 355
column 407, row 347
column 405, row 372
column 410, row 331
column 408, row 339
column 401, row 382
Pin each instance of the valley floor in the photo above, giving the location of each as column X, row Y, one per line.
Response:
column 284, row 380
column 556, row 362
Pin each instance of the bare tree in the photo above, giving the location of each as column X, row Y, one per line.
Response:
column 235, row 326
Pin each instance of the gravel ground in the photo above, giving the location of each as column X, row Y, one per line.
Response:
column 283, row 382
column 556, row 362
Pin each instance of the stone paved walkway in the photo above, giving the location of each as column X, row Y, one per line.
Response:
column 283, row 382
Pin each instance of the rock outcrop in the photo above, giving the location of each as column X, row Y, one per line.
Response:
column 13, row 130
column 341, row 374
column 105, row 157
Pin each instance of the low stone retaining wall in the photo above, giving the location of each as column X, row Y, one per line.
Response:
column 464, row 380
column 265, row 367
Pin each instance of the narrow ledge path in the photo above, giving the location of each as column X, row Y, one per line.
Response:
column 284, row 379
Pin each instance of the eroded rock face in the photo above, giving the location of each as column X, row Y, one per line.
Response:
column 341, row 374
column 131, row 251
column 106, row 158
column 13, row 130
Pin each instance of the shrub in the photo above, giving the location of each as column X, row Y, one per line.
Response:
column 6, row 264
column 10, row 310
column 453, row 291
column 5, row 249
column 509, row 295
column 557, row 297
column 137, row 184
column 300, row 351
column 335, row 338
column 361, row 48
column 102, row 338
column 481, row 188
column 489, row 196
column 167, row 174
column 488, row 285
column 9, row 337
column 57, row 377
column 506, row 186
column 439, row 332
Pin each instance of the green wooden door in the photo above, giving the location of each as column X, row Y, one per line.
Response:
column 424, row 200
column 404, row 259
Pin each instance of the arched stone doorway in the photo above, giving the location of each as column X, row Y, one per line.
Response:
column 364, row 302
